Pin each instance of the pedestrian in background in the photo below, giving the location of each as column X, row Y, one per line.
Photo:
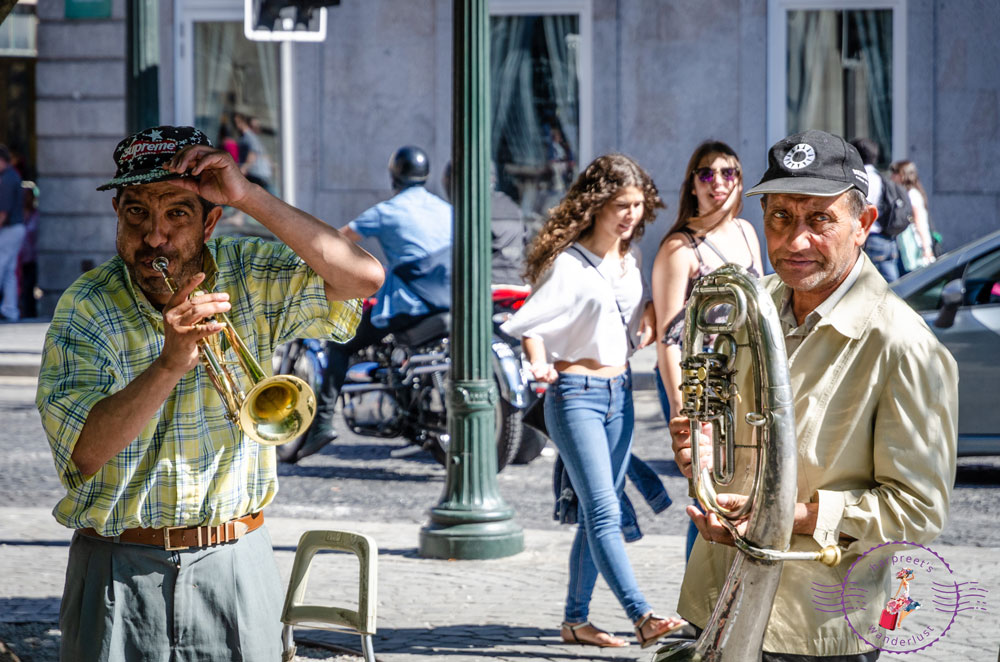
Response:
column 588, row 313
column 27, row 259
column 706, row 234
column 916, row 245
column 11, row 234
column 227, row 142
column 254, row 161
column 880, row 246
column 508, row 232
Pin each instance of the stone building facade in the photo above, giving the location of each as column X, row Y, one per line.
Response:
column 652, row 79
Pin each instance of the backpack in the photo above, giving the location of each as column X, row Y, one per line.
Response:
column 894, row 210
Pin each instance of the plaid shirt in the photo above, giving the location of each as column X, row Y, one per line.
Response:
column 190, row 465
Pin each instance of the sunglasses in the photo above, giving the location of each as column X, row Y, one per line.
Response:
column 706, row 175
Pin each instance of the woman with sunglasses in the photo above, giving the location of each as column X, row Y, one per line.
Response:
column 587, row 314
column 706, row 235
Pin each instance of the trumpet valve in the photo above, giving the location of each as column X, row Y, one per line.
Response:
column 693, row 389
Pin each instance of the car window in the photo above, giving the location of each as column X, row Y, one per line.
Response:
column 929, row 296
column 982, row 280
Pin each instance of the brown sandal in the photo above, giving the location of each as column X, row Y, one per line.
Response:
column 615, row 642
column 646, row 642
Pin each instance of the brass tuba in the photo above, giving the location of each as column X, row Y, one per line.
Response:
column 276, row 410
column 735, row 631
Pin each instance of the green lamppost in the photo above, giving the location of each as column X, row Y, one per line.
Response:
column 471, row 521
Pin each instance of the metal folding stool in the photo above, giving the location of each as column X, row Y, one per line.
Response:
column 295, row 612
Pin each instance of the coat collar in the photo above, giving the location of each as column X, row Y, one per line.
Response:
column 851, row 316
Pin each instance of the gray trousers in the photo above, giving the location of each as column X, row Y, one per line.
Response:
column 137, row 603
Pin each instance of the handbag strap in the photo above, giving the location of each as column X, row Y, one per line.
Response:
column 621, row 313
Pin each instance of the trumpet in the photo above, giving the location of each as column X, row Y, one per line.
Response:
column 711, row 395
column 276, row 409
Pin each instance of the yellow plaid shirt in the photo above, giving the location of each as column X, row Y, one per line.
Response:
column 190, row 465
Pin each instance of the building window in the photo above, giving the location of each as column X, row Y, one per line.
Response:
column 18, row 53
column 18, row 31
column 839, row 69
column 237, row 77
column 540, row 82
column 220, row 73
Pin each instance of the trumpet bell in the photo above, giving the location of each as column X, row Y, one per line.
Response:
column 277, row 409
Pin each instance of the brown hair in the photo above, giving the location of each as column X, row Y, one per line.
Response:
column 905, row 173
column 687, row 207
column 573, row 217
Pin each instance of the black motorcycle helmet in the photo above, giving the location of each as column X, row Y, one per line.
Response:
column 409, row 166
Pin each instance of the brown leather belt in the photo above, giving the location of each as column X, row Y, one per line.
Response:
column 176, row 538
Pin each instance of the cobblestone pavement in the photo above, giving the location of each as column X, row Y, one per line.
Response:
column 504, row 609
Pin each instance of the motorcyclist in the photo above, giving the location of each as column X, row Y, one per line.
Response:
column 509, row 236
column 414, row 230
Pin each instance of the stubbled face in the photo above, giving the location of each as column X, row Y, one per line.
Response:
column 812, row 241
column 620, row 215
column 157, row 220
column 712, row 194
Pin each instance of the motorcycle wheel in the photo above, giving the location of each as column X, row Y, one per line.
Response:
column 509, row 431
column 305, row 367
column 507, row 436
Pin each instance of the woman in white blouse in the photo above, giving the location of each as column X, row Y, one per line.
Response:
column 589, row 311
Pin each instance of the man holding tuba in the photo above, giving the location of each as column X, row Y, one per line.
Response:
column 875, row 398
column 165, row 493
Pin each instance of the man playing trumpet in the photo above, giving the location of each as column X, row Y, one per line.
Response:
column 165, row 494
column 875, row 398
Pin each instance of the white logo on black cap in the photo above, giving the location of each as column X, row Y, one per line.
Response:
column 799, row 156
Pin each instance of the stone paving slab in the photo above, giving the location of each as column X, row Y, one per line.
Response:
column 21, row 347
column 501, row 609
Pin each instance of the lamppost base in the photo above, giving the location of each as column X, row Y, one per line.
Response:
column 472, row 540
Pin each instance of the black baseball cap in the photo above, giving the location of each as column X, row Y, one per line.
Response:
column 812, row 163
column 141, row 156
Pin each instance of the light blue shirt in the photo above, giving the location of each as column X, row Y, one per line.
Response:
column 412, row 225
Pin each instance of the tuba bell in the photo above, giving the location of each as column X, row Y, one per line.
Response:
column 735, row 630
column 276, row 409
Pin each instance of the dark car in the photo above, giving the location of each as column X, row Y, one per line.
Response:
column 959, row 298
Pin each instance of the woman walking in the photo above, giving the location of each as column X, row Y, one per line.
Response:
column 916, row 247
column 706, row 234
column 586, row 316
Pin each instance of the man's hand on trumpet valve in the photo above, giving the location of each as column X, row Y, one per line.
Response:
column 183, row 327
column 680, row 434
column 709, row 526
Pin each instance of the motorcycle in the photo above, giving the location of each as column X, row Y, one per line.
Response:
column 507, row 300
column 396, row 388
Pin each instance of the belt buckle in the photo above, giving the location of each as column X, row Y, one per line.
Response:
column 166, row 540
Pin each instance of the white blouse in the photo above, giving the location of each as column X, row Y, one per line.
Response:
column 573, row 311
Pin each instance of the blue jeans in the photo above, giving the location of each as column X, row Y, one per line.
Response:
column 11, row 238
column 884, row 255
column 692, row 530
column 590, row 419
